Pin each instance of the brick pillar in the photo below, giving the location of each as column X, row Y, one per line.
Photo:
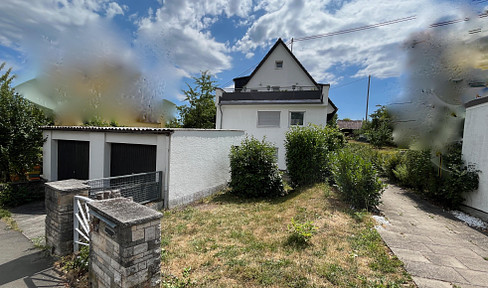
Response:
column 59, row 214
column 125, row 244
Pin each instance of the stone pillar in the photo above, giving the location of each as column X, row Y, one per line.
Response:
column 125, row 244
column 59, row 214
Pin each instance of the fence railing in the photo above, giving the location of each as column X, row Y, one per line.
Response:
column 142, row 187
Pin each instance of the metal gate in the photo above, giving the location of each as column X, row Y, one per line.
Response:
column 81, row 223
column 142, row 187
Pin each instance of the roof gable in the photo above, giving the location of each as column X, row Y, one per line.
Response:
column 279, row 43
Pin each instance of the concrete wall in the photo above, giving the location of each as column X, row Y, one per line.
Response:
column 199, row 163
column 245, row 117
column 290, row 74
column 475, row 151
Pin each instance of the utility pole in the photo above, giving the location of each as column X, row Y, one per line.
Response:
column 367, row 97
column 291, row 46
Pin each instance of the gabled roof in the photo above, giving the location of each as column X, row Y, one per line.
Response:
column 244, row 81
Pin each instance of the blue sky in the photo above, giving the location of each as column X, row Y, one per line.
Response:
column 172, row 40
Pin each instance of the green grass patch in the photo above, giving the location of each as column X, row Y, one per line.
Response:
column 230, row 241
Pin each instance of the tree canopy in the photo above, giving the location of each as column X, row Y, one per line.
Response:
column 380, row 129
column 200, row 111
column 21, row 138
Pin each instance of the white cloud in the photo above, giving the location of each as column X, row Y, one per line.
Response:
column 376, row 51
column 114, row 9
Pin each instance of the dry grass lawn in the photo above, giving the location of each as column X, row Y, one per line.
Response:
column 227, row 241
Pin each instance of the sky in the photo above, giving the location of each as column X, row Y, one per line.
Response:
column 171, row 41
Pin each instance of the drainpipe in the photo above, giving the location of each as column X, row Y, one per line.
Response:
column 221, row 114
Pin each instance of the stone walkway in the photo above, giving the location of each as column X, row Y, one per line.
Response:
column 437, row 249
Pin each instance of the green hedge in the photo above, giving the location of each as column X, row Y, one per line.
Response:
column 356, row 179
column 420, row 171
column 307, row 153
column 16, row 194
column 254, row 171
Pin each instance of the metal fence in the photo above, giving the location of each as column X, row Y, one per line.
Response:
column 142, row 187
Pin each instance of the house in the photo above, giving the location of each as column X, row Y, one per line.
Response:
column 475, row 152
column 278, row 94
column 349, row 126
column 194, row 162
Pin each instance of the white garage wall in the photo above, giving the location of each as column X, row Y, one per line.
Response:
column 475, row 151
column 199, row 163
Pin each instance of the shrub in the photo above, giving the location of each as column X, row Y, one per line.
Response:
column 307, row 150
column 254, row 171
column 357, row 180
column 16, row 194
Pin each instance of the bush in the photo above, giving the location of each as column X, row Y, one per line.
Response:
column 16, row 194
column 307, row 150
column 357, row 180
column 254, row 171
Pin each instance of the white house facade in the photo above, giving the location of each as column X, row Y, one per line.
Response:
column 475, row 143
column 278, row 94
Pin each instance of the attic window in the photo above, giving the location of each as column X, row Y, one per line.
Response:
column 279, row 64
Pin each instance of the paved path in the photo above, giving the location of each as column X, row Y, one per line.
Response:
column 437, row 249
column 22, row 265
column 31, row 220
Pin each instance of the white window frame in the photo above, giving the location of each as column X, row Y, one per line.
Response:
column 295, row 111
column 268, row 126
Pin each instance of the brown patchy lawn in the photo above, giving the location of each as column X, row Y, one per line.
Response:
column 227, row 241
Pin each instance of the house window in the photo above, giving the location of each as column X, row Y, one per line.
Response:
column 296, row 118
column 268, row 118
column 279, row 64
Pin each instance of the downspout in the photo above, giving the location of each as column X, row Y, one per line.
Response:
column 168, row 169
column 221, row 114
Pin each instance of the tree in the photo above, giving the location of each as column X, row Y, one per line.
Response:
column 380, row 129
column 200, row 113
column 21, row 138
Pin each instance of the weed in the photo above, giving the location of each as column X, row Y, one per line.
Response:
column 172, row 281
column 301, row 233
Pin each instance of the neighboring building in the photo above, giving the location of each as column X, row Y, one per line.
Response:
column 475, row 151
column 349, row 126
column 195, row 162
column 278, row 94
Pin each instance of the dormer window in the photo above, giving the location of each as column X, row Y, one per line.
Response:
column 279, row 64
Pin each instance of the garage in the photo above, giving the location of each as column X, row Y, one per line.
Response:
column 73, row 159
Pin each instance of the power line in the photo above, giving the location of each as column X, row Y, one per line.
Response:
column 355, row 29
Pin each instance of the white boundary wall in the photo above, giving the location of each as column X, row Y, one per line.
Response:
column 199, row 163
column 475, row 151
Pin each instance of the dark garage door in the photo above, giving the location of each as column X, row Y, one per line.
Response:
column 128, row 159
column 73, row 159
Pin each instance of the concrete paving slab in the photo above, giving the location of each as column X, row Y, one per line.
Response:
column 444, row 260
column 474, row 277
column 430, row 283
column 474, row 263
column 436, row 248
column 409, row 255
column 436, row 272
